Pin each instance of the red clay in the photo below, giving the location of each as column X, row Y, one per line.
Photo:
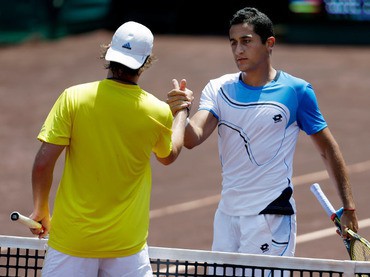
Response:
column 33, row 74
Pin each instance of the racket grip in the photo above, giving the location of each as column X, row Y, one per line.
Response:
column 16, row 216
column 323, row 200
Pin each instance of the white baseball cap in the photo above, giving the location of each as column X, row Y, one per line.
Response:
column 131, row 44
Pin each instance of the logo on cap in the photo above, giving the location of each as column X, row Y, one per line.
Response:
column 127, row 46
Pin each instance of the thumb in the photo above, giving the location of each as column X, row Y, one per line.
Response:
column 175, row 84
column 183, row 84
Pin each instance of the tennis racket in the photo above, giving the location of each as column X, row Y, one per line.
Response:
column 358, row 247
column 30, row 223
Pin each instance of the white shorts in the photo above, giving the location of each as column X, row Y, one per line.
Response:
column 58, row 264
column 267, row 234
column 260, row 234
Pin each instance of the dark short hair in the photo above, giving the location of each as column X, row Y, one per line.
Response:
column 262, row 24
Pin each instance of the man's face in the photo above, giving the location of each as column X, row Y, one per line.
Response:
column 248, row 50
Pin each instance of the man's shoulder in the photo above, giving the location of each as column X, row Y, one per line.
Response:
column 228, row 77
column 290, row 79
column 225, row 79
column 82, row 86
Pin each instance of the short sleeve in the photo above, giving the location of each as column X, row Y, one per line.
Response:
column 163, row 147
column 58, row 124
column 309, row 116
column 208, row 99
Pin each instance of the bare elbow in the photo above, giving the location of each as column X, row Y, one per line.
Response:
column 189, row 146
column 167, row 160
column 167, row 163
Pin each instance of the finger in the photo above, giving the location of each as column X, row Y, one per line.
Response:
column 175, row 84
column 43, row 234
column 37, row 232
column 183, row 84
column 344, row 232
column 178, row 105
column 176, row 95
column 189, row 95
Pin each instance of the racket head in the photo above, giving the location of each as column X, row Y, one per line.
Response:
column 359, row 251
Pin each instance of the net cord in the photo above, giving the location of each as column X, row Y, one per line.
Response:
column 348, row 267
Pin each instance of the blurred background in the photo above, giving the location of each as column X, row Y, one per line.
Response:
column 297, row 21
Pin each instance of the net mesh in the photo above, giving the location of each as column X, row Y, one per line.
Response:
column 22, row 256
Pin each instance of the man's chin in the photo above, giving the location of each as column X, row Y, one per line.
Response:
column 242, row 66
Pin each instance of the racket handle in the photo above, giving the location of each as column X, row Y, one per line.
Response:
column 30, row 223
column 323, row 200
column 329, row 209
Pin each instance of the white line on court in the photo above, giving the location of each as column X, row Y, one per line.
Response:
column 210, row 200
column 327, row 232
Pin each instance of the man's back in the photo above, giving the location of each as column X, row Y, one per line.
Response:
column 110, row 130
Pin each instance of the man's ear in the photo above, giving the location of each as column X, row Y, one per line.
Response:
column 270, row 42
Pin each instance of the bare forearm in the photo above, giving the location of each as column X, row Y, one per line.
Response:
column 200, row 127
column 41, row 185
column 42, row 176
column 178, row 132
column 336, row 167
column 337, row 170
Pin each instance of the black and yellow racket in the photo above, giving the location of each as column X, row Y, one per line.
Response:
column 357, row 246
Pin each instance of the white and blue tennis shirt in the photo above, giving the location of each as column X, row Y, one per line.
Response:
column 258, row 129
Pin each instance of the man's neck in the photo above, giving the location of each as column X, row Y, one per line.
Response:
column 256, row 79
column 131, row 80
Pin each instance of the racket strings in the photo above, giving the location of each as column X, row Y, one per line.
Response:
column 359, row 251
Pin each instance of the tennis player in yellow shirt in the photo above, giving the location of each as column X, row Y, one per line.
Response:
column 108, row 129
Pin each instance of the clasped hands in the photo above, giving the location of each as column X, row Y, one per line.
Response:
column 179, row 98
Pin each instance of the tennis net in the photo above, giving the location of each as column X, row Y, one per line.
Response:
column 23, row 256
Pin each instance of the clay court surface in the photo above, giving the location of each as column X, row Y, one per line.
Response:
column 185, row 194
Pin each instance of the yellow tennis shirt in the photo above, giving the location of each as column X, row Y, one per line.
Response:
column 101, row 208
